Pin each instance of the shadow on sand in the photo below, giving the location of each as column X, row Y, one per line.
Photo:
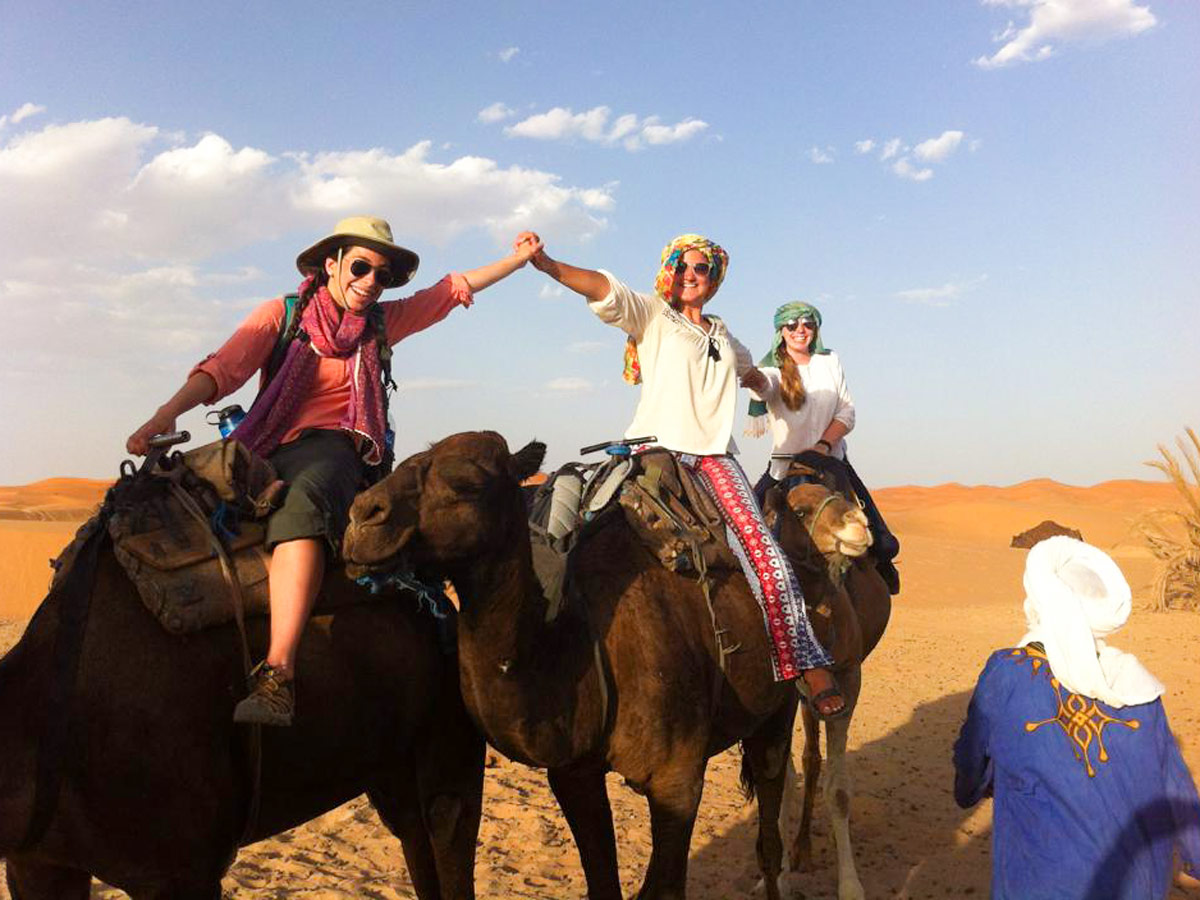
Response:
column 910, row 838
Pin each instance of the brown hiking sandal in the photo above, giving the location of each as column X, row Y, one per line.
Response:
column 270, row 702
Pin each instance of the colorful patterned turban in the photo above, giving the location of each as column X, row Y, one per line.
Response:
column 672, row 253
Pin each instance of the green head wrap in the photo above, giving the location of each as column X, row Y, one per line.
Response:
column 789, row 312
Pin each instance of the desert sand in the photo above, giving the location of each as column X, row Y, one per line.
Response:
column 961, row 600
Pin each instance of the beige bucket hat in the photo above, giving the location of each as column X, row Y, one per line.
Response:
column 361, row 231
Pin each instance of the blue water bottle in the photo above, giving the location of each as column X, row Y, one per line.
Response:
column 227, row 418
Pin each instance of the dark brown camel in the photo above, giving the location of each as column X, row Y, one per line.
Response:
column 154, row 779
column 859, row 628
column 628, row 679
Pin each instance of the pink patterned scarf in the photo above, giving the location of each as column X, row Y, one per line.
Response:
column 334, row 333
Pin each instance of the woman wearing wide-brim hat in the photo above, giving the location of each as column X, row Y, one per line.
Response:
column 321, row 414
column 689, row 365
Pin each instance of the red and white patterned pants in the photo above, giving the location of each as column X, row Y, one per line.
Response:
column 795, row 647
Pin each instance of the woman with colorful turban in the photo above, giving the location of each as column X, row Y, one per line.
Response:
column 803, row 400
column 321, row 413
column 688, row 365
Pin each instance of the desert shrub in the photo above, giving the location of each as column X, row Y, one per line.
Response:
column 1173, row 535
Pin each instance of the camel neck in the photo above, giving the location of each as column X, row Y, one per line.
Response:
column 521, row 674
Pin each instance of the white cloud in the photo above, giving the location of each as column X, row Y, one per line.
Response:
column 905, row 169
column 890, row 148
column 495, row 113
column 938, row 149
column 864, row 146
column 941, row 296
column 819, row 156
column 569, row 385
column 1053, row 22
column 508, row 53
column 114, row 234
column 594, row 125
column 653, row 133
column 550, row 291
column 21, row 113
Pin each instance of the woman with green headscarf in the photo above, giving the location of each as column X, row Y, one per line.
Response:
column 689, row 365
column 803, row 400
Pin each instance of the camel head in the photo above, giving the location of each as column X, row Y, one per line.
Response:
column 811, row 519
column 458, row 500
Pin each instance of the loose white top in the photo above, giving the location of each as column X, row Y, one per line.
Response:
column 827, row 398
column 689, row 399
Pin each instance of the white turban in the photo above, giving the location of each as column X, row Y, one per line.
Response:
column 1074, row 596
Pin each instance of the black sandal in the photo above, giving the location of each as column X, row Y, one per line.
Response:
column 828, row 694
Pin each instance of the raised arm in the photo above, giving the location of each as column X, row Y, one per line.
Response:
column 587, row 282
column 525, row 248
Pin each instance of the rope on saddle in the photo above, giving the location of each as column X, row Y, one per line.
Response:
column 75, row 598
column 239, row 615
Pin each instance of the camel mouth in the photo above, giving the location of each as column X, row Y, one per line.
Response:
column 365, row 555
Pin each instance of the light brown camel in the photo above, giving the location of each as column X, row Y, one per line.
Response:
column 791, row 511
column 119, row 757
column 626, row 678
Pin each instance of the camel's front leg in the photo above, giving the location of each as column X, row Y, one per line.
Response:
column 838, row 791
column 28, row 880
column 583, row 796
column 673, row 793
column 801, row 855
column 766, row 761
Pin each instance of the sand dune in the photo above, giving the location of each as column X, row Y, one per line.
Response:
column 962, row 599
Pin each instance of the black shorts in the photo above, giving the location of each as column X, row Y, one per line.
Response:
column 323, row 471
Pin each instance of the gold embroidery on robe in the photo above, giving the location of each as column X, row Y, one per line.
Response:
column 1080, row 718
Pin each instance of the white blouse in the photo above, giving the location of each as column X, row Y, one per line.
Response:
column 688, row 400
column 826, row 398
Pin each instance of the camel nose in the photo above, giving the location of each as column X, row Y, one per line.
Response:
column 370, row 508
column 855, row 528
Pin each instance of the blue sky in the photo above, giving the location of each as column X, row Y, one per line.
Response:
column 995, row 204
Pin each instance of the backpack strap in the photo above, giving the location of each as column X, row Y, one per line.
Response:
column 279, row 351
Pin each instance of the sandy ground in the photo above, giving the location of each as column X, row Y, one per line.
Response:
column 962, row 599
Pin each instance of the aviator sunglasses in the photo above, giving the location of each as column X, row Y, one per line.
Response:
column 700, row 268
column 796, row 323
column 383, row 275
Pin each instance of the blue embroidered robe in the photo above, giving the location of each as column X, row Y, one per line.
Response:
column 1089, row 801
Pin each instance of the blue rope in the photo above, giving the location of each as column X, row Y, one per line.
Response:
column 431, row 597
column 224, row 522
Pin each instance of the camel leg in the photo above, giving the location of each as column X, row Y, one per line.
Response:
column 437, row 822
column 583, row 796
column 674, row 797
column 765, row 754
column 801, row 855
column 432, row 799
column 838, row 789
column 397, row 801
column 28, row 880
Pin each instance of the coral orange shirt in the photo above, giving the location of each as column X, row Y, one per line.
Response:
column 249, row 349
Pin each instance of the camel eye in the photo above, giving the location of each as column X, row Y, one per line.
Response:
column 463, row 477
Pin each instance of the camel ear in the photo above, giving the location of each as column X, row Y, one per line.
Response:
column 526, row 461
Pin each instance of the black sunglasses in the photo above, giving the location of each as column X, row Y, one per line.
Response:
column 359, row 268
column 796, row 323
column 700, row 268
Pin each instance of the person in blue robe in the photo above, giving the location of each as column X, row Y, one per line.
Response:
column 1091, row 796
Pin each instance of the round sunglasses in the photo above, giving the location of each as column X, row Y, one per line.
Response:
column 360, row 268
column 700, row 268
